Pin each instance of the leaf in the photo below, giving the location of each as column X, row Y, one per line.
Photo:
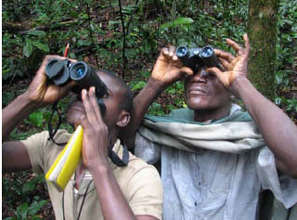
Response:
column 36, row 118
column 28, row 187
column 41, row 46
column 139, row 85
column 84, row 43
column 177, row 22
column 37, row 33
column 22, row 211
column 36, row 206
column 28, row 48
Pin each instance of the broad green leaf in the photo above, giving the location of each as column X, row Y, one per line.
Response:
column 28, row 48
column 138, row 85
column 28, row 187
column 41, row 46
column 36, row 118
column 36, row 206
column 37, row 33
column 177, row 22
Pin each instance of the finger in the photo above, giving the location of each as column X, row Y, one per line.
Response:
column 246, row 42
column 171, row 51
column 224, row 55
column 234, row 45
column 94, row 103
column 165, row 51
column 188, row 71
column 90, row 112
column 221, row 76
column 225, row 64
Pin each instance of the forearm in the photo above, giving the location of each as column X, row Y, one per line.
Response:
column 278, row 130
column 15, row 112
column 141, row 104
column 112, row 201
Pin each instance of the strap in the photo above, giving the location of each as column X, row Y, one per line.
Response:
column 52, row 132
column 116, row 159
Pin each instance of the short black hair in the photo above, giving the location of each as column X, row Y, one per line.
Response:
column 127, row 102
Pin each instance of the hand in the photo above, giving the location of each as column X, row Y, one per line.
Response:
column 40, row 92
column 96, row 137
column 236, row 67
column 168, row 68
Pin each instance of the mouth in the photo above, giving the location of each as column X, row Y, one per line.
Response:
column 197, row 90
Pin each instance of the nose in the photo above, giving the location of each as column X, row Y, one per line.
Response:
column 200, row 76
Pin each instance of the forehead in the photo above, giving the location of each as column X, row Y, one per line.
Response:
column 111, row 82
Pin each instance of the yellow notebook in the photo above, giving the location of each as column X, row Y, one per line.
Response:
column 67, row 161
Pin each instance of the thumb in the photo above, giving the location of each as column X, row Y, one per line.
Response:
column 188, row 71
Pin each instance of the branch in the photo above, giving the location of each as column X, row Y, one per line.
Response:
column 26, row 27
column 124, row 40
column 91, row 32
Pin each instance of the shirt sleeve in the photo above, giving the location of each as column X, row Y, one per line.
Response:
column 35, row 147
column 146, row 149
column 146, row 195
column 283, row 187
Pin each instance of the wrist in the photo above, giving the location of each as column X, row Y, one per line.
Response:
column 155, row 85
column 27, row 103
column 239, row 84
column 31, row 103
column 101, row 168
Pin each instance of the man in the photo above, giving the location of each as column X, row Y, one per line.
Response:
column 99, row 189
column 214, row 162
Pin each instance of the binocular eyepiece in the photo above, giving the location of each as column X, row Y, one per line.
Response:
column 59, row 72
column 198, row 57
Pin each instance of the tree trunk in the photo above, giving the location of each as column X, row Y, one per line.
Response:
column 262, row 32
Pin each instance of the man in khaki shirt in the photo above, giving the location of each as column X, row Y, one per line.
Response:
column 99, row 189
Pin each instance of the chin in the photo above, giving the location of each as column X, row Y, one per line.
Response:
column 198, row 104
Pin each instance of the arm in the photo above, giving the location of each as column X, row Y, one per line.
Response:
column 278, row 130
column 167, row 70
column 95, row 148
column 15, row 156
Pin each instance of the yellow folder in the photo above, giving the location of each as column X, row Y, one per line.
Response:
column 67, row 161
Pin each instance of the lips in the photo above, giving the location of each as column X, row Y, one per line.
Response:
column 197, row 90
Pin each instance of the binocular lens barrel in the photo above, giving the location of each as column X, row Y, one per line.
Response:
column 206, row 52
column 78, row 71
column 198, row 57
column 181, row 51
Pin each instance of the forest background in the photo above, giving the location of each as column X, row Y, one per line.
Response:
column 125, row 37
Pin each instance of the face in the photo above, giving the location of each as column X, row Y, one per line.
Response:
column 112, row 102
column 204, row 91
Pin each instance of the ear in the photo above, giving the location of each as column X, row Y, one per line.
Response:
column 124, row 119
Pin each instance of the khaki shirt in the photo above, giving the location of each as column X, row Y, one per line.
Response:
column 139, row 182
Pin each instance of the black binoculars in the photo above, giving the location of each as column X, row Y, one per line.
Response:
column 198, row 57
column 59, row 72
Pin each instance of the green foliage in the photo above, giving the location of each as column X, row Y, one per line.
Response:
column 26, row 211
column 33, row 29
column 26, row 196
column 286, row 55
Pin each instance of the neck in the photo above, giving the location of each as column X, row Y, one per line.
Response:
column 113, row 135
column 205, row 115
